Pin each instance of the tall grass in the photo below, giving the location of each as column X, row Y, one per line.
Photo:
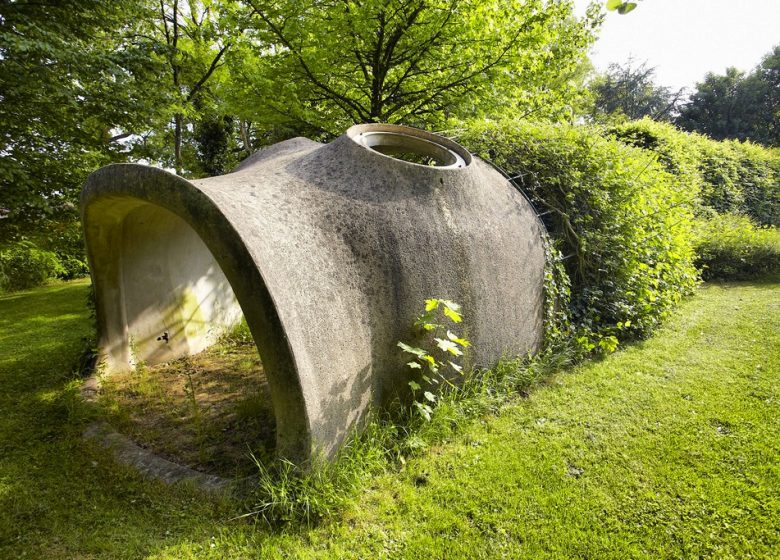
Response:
column 287, row 493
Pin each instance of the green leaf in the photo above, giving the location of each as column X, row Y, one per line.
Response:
column 448, row 346
column 415, row 386
column 626, row 7
column 426, row 322
column 431, row 304
column 430, row 396
column 614, row 4
column 419, row 352
column 424, row 409
column 452, row 314
column 454, row 338
column 608, row 344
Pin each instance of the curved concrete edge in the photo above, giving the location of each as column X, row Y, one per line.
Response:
column 330, row 251
column 102, row 200
column 127, row 452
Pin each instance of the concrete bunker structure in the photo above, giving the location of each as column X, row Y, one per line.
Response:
column 330, row 251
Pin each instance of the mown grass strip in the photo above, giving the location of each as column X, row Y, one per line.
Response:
column 668, row 449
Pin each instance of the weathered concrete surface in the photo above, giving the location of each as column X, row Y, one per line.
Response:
column 150, row 465
column 330, row 251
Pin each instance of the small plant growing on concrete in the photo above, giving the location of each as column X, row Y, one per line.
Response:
column 444, row 355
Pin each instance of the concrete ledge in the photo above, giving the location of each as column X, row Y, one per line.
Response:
column 153, row 466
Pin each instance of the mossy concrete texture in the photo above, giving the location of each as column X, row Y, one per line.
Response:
column 329, row 251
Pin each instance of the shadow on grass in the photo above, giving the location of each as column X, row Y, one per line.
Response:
column 763, row 280
column 61, row 497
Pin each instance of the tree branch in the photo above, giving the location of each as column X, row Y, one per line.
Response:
column 343, row 101
column 214, row 65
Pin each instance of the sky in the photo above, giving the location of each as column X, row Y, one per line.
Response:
column 685, row 39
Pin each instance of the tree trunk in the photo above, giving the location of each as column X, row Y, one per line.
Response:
column 243, row 127
column 177, row 123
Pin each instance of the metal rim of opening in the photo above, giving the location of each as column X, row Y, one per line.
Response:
column 411, row 145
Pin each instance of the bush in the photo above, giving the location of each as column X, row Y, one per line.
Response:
column 23, row 265
column 64, row 238
column 677, row 151
column 759, row 171
column 719, row 166
column 72, row 267
column 731, row 176
column 621, row 221
column 732, row 247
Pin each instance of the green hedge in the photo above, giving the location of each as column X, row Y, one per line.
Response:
column 732, row 247
column 731, row 176
column 759, row 178
column 23, row 265
column 622, row 222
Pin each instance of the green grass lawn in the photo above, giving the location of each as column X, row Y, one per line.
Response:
column 667, row 449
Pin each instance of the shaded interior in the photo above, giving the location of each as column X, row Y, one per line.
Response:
column 210, row 412
column 410, row 149
column 176, row 299
column 179, row 379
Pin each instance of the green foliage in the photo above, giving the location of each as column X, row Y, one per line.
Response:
column 629, row 92
column 730, row 176
column 442, row 353
column 682, row 424
column 732, row 247
column 621, row 221
column 759, row 178
column 673, row 149
column 23, row 266
column 197, row 86
column 327, row 65
column 737, row 105
column 287, row 493
column 193, row 133
column 71, row 73
column 557, row 296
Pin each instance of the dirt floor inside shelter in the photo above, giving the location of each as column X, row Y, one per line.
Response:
column 209, row 412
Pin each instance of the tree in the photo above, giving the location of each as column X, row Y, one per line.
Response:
column 631, row 91
column 768, row 73
column 325, row 64
column 738, row 105
column 73, row 73
column 718, row 107
column 195, row 37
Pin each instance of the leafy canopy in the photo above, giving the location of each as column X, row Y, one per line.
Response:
column 738, row 105
column 331, row 63
column 629, row 91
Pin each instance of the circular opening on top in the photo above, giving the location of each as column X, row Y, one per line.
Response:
column 412, row 146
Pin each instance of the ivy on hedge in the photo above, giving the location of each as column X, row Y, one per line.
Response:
column 622, row 222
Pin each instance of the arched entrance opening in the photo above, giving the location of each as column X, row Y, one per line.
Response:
column 183, row 375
